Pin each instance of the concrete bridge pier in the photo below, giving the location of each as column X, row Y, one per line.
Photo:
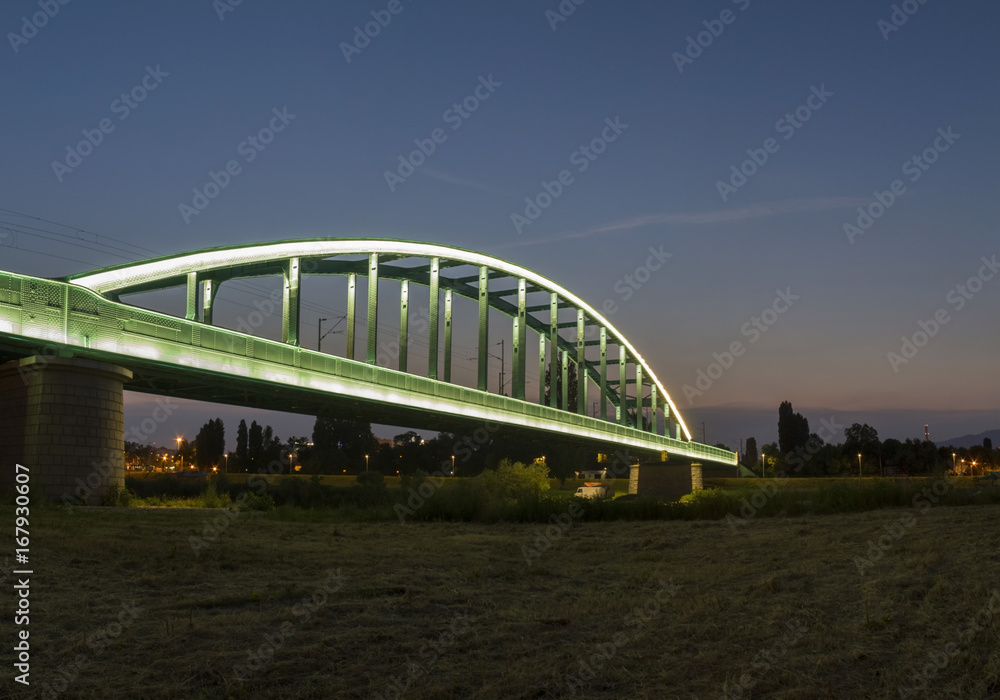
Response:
column 63, row 419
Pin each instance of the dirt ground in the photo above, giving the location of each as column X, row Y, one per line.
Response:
column 122, row 606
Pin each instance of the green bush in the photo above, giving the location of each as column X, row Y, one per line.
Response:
column 513, row 481
column 118, row 496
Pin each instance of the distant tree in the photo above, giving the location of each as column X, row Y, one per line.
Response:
column 210, row 444
column 409, row 437
column 242, row 448
column 860, row 438
column 988, row 444
column 571, row 385
column 185, row 452
column 255, row 446
column 341, row 441
column 772, row 459
column 751, row 454
column 793, row 429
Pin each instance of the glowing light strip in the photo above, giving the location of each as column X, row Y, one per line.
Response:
column 205, row 261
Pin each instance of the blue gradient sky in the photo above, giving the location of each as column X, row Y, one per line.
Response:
column 655, row 185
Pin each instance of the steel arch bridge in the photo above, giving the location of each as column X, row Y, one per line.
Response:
column 187, row 356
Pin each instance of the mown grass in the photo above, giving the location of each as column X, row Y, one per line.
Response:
column 775, row 609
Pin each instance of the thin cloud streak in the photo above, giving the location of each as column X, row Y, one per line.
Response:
column 754, row 211
column 462, row 181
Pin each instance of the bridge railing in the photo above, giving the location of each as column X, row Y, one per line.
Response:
column 58, row 313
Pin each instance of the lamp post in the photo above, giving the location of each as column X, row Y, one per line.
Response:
column 953, row 465
column 859, row 465
column 227, row 463
column 453, row 465
column 179, row 451
column 763, row 465
column 366, row 462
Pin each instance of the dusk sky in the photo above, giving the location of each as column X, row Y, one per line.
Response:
column 841, row 105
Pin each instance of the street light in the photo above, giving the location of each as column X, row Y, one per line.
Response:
column 179, row 451
column 953, row 465
column 763, row 465
column 366, row 462
column 453, row 465
column 859, row 465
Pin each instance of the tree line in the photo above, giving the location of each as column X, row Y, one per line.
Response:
column 800, row 452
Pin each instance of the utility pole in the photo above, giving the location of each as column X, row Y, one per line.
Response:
column 319, row 335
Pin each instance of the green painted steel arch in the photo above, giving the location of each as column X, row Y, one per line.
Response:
column 235, row 262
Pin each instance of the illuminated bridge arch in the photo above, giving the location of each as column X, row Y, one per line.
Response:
column 498, row 284
column 187, row 356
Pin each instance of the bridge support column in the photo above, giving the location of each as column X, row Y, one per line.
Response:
column 484, row 328
column 404, row 322
column 290, row 306
column 640, row 408
column 63, row 419
column 604, row 373
column 622, row 386
column 352, row 299
column 447, row 335
column 553, row 349
column 371, row 356
column 581, row 363
column 432, row 341
column 654, row 406
column 209, row 289
column 565, row 380
column 541, row 369
column 520, row 334
column 191, row 314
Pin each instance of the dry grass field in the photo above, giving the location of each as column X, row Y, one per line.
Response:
column 123, row 607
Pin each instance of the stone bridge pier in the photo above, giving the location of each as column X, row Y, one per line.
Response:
column 63, row 419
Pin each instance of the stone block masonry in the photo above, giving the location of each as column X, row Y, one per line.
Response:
column 63, row 418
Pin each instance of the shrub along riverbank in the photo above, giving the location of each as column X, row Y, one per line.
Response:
column 520, row 493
